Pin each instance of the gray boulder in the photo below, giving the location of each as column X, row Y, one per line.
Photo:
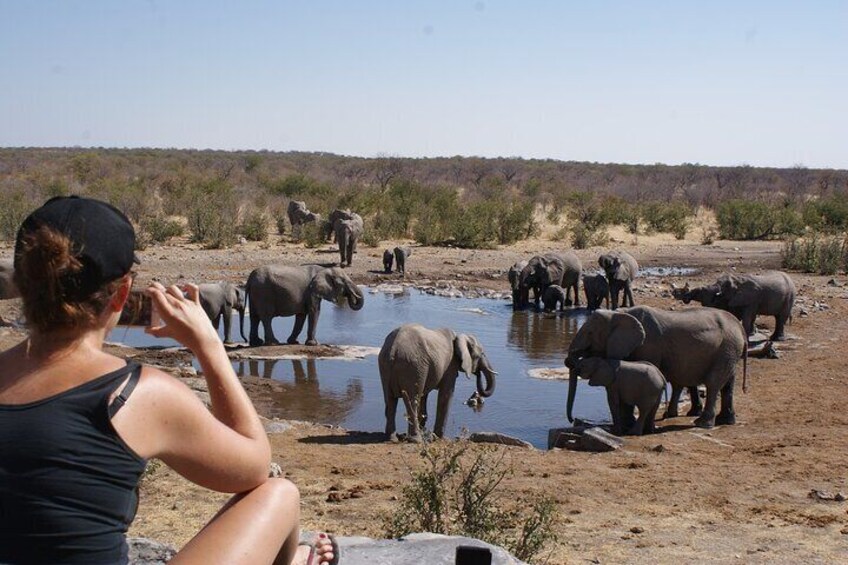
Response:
column 143, row 551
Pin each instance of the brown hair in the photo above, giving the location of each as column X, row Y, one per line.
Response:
column 46, row 272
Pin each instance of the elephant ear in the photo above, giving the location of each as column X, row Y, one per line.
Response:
column 625, row 335
column 601, row 372
column 462, row 350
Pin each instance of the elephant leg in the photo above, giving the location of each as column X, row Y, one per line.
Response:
column 638, row 427
column 673, row 401
column 299, row 319
column 577, row 293
column 707, row 418
column 412, row 404
column 695, row 398
column 727, row 417
column 442, row 406
column 422, row 412
column 312, row 326
column 614, row 297
column 649, row 425
column 254, row 331
column 269, row 331
column 228, row 319
column 628, row 295
column 615, row 409
column 391, row 412
column 779, row 324
column 216, row 321
column 748, row 318
column 628, row 420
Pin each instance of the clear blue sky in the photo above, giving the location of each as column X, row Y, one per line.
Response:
column 713, row 82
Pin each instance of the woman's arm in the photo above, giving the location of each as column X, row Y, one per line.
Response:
column 227, row 449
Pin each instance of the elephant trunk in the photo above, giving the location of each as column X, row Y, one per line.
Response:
column 355, row 298
column 572, row 391
column 487, row 371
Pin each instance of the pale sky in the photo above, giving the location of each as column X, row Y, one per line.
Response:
column 711, row 82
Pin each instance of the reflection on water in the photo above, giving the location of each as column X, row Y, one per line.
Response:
column 300, row 396
column 542, row 335
column 349, row 393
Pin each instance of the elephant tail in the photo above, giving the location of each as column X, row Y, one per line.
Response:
column 745, row 367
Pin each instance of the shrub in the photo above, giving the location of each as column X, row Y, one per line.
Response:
column 827, row 214
column 254, row 226
column 160, row 229
column 456, row 494
column 211, row 215
column 822, row 255
column 311, row 235
column 16, row 207
column 749, row 219
column 582, row 236
column 667, row 217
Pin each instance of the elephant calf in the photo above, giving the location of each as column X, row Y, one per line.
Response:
column 415, row 360
column 519, row 293
column 401, row 255
column 629, row 384
column 554, row 295
column 596, row 288
column 388, row 260
column 219, row 300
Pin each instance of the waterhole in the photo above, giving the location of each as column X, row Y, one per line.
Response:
column 348, row 393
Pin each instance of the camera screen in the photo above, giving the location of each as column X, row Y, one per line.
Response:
column 138, row 310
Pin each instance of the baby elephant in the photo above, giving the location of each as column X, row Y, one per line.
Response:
column 401, row 254
column 596, row 288
column 554, row 295
column 629, row 384
column 388, row 259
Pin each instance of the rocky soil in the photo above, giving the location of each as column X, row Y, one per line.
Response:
column 767, row 490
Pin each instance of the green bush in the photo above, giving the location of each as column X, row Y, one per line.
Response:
column 254, row 226
column 311, row 235
column 827, row 214
column 750, row 219
column 814, row 254
column 211, row 215
column 455, row 493
column 161, row 229
column 16, row 207
column 582, row 236
column 667, row 217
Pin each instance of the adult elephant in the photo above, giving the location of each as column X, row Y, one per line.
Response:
column 348, row 233
column 219, row 300
column 299, row 214
column 513, row 275
column 542, row 271
column 415, row 360
column 337, row 215
column 621, row 268
column 746, row 297
column 8, row 289
column 689, row 347
column 278, row 290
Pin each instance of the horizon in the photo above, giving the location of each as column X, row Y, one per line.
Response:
column 761, row 84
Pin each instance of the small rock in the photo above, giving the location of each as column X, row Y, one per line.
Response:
column 502, row 439
column 598, row 440
column 637, row 530
column 658, row 448
column 275, row 471
column 844, row 531
column 833, row 282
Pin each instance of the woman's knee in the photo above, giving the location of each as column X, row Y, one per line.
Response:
column 282, row 492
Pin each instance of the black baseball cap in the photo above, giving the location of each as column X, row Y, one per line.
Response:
column 102, row 238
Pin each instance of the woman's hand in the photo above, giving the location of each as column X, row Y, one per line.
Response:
column 182, row 317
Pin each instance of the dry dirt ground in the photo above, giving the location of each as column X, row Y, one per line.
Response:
column 736, row 494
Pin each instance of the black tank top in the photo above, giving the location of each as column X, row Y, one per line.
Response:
column 67, row 480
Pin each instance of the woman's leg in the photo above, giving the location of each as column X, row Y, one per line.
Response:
column 261, row 526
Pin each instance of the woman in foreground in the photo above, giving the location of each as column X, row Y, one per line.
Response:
column 77, row 425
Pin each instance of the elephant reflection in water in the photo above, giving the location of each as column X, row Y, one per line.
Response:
column 301, row 399
column 540, row 335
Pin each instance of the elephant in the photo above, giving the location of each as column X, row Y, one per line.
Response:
column 542, row 271
column 629, row 384
column 596, row 289
column 348, row 233
column 746, row 297
column 219, row 300
column 329, row 227
column 554, row 295
column 621, row 268
column 514, row 273
column 690, row 347
column 415, row 360
column 8, row 288
column 388, row 260
column 298, row 214
column 279, row 290
column 401, row 255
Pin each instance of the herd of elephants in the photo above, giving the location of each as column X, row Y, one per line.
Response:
column 632, row 351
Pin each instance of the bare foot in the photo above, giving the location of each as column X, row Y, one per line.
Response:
column 321, row 548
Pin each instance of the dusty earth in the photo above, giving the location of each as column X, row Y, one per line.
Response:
column 736, row 494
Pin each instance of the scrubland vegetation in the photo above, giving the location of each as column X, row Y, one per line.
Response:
column 215, row 198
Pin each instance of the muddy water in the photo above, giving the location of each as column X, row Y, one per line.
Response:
column 348, row 393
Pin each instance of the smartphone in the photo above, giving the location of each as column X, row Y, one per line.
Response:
column 138, row 310
column 473, row 555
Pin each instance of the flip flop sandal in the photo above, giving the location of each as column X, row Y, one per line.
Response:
column 312, row 559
